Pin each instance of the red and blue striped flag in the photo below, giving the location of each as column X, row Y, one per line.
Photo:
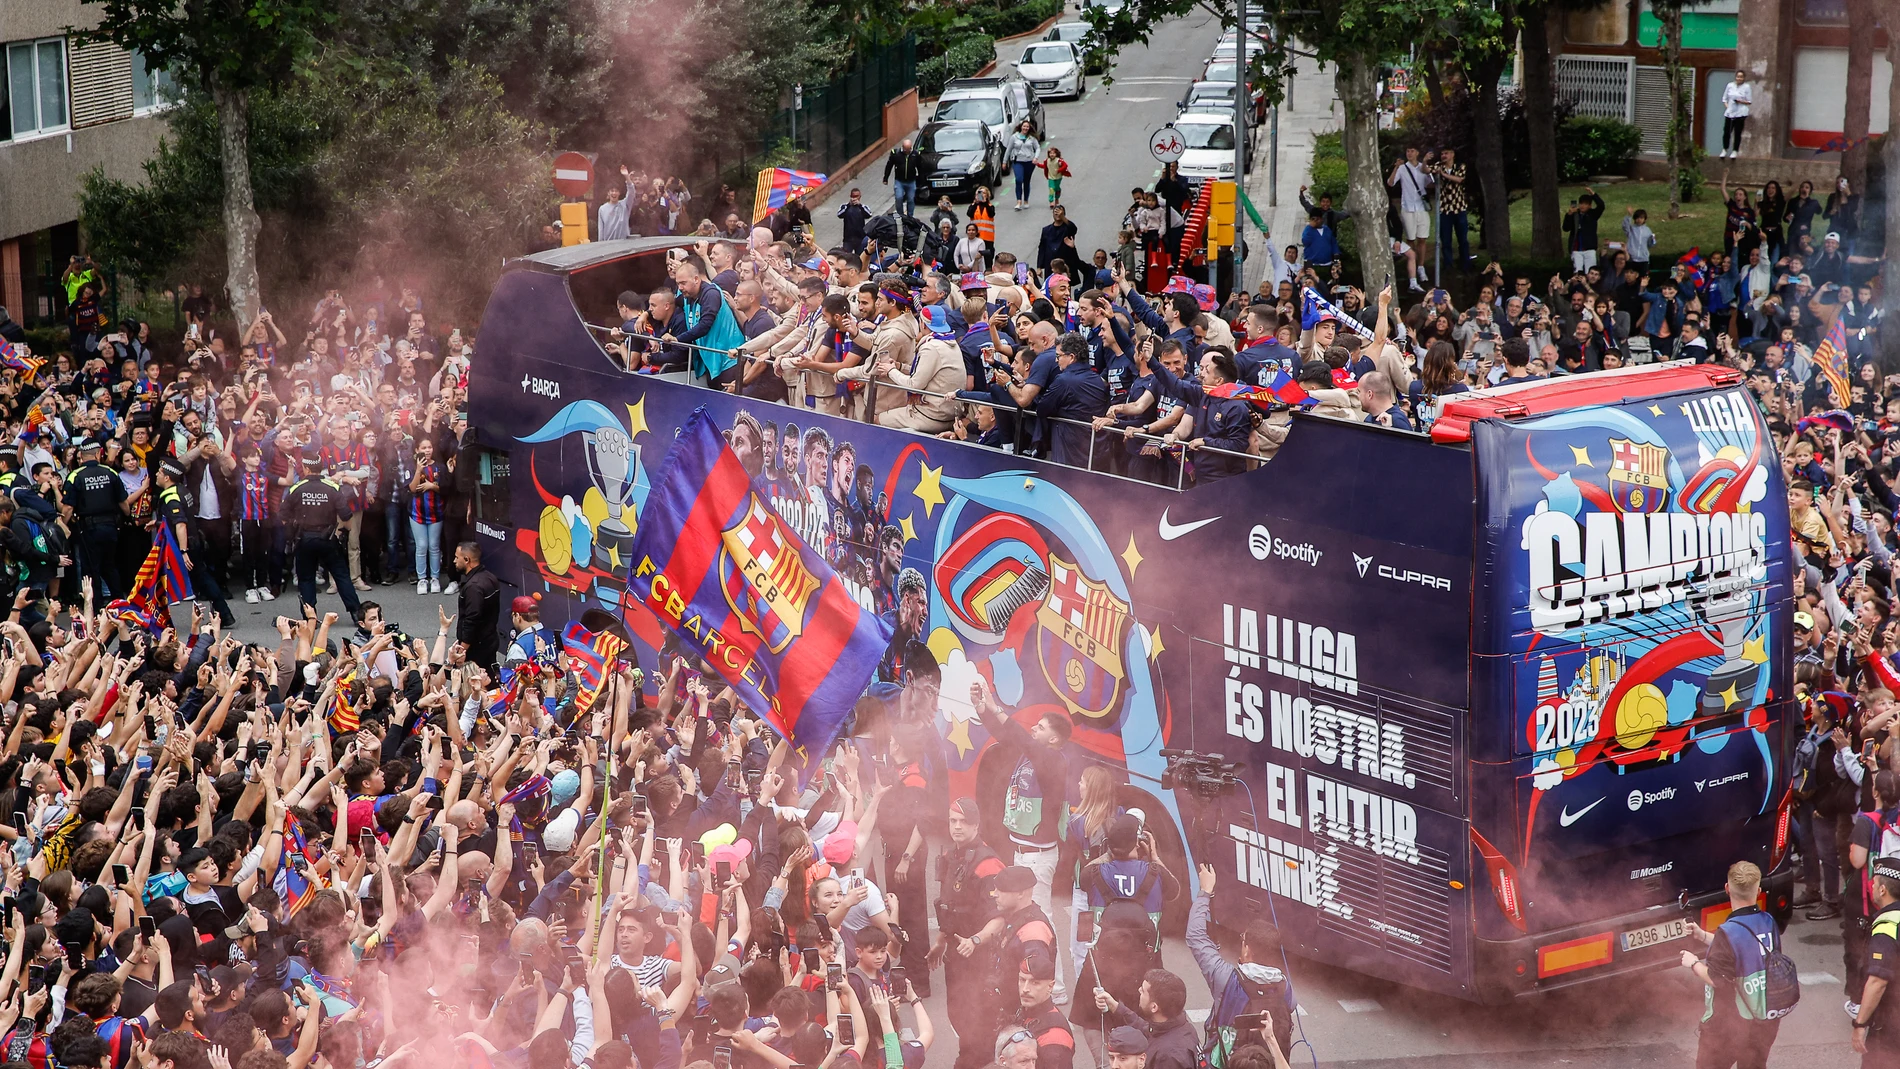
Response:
column 777, row 185
column 592, row 655
column 161, row 580
column 344, row 717
column 1831, row 357
column 718, row 566
column 21, row 360
column 1695, row 276
column 292, row 886
column 1282, row 389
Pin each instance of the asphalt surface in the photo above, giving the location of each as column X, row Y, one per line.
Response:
column 1104, row 136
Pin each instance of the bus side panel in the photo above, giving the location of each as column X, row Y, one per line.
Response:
column 1636, row 632
column 1309, row 618
column 1355, row 776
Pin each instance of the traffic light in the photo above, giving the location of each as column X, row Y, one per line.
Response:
column 1220, row 217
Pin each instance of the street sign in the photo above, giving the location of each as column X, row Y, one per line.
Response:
column 1167, row 144
column 573, row 175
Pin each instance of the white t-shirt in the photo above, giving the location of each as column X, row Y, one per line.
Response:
column 1736, row 97
column 1413, row 182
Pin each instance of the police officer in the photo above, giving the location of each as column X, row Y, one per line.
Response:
column 968, row 927
column 1127, row 1048
column 96, row 500
column 314, row 507
column 175, row 511
column 1877, row 1026
column 533, row 643
column 1036, row 1011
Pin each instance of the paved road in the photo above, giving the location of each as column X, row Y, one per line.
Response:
column 1104, row 136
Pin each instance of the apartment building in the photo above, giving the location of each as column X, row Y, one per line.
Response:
column 65, row 108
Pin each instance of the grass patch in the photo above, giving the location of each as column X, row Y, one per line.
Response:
column 1700, row 225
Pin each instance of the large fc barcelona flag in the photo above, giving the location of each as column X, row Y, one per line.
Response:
column 717, row 565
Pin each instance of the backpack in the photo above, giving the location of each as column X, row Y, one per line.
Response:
column 1771, row 991
column 1127, row 942
column 1803, row 777
column 1268, row 1002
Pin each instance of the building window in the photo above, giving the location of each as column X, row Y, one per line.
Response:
column 151, row 88
column 36, row 86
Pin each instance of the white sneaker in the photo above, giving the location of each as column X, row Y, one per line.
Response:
column 264, row 592
column 435, row 586
column 1416, row 288
column 250, row 596
column 452, row 587
column 422, row 586
column 1853, row 1009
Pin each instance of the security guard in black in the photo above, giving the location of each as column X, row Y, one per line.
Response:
column 313, row 509
column 97, row 497
column 1877, row 1028
column 968, row 930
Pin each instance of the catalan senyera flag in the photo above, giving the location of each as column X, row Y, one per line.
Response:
column 344, row 716
column 719, row 567
column 1831, row 357
column 19, row 359
column 592, row 656
column 35, row 417
column 161, row 580
column 776, row 186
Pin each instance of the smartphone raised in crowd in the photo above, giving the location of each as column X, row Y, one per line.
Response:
column 811, row 960
column 148, row 928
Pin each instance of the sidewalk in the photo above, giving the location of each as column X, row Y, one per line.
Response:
column 1311, row 108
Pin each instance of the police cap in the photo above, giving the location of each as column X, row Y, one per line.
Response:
column 1127, row 1040
column 1016, row 878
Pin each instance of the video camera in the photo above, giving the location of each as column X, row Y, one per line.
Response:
column 1206, row 775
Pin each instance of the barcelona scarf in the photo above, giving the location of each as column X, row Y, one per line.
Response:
column 1314, row 308
column 592, row 655
column 161, row 580
column 535, row 786
column 1282, row 390
column 764, row 609
column 21, row 360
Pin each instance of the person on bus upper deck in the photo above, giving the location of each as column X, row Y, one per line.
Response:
column 1224, row 423
column 1381, row 404
column 1734, row 1031
column 1076, row 395
column 662, row 319
column 1035, row 802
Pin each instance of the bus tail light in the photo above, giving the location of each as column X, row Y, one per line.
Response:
column 1588, row 952
column 1783, row 815
column 1504, row 885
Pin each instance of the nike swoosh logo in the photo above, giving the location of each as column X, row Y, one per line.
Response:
column 1172, row 531
column 1567, row 818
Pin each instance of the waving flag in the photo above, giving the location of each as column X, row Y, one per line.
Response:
column 292, row 885
column 1313, row 307
column 1696, row 277
column 777, row 185
column 35, row 418
column 1831, row 357
column 718, row 566
column 344, row 717
column 1838, row 419
column 1282, row 389
column 19, row 359
column 592, row 656
column 162, row 579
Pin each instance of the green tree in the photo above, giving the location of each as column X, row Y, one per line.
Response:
column 1679, row 144
column 229, row 50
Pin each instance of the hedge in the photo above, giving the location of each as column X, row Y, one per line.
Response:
column 1588, row 146
column 964, row 57
column 1010, row 20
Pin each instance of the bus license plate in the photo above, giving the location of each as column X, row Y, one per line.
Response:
column 1639, row 938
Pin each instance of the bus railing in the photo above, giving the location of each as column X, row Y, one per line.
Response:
column 1178, row 451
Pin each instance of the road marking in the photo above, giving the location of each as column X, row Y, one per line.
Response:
column 1360, row 1005
column 1818, row 978
column 1137, row 100
column 1152, row 81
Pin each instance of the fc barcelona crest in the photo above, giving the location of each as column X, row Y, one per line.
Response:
column 1639, row 475
column 764, row 578
column 1083, row 627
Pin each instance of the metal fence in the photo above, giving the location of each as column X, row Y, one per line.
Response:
column 846, row 117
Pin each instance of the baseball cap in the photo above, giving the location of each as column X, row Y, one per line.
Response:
column 1123, row 833
column 732, row 853
column 816, row 263
column 1832, row 235
column 972, row 280
column 1804, row 621
column 842, row 842
column 524, row 604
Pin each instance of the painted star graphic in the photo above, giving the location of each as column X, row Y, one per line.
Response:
column 909, row 529
column 1756, row 649
column 1154, row 643
column 1685, row 408
column 637, row 418
column 1582, row 455
column 1729, row 697
column 1132, row 556
column 1655, row 410
column 959, row 736
column 613, row 557
column 930, row 489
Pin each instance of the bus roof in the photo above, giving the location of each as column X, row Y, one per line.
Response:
column 571, row 258
column 1541, row 397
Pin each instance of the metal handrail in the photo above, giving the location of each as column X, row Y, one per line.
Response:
column 1180, row 449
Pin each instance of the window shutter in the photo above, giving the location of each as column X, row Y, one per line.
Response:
column 101, row 83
